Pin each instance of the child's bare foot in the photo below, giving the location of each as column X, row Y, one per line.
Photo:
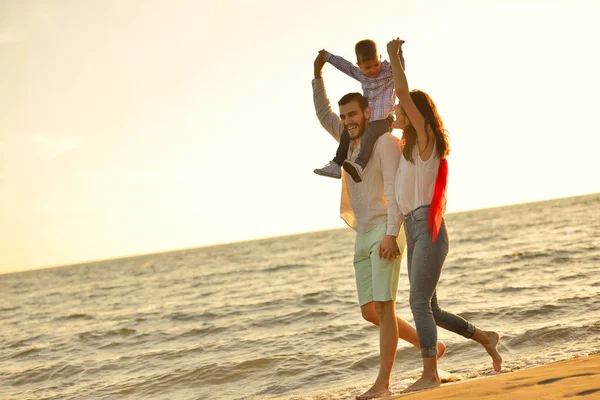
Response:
column 376, row 392
column 423, row 383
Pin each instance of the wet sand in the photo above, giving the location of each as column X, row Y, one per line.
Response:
column 578, row 379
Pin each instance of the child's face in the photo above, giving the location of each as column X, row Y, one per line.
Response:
column 370, row 68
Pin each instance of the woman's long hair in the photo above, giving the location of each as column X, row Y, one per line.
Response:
column 433, row 122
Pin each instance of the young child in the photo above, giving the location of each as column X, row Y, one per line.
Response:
column 377, row 83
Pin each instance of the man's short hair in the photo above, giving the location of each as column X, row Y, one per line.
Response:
column 366, row 50
column 362, row 101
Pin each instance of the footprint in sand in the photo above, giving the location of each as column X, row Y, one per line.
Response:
column 585, row 392
column 547, row 381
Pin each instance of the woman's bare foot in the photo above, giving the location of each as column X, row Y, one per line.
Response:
column 489, row 340
column 375, row 392
column 441, row 349
column 423, row 383
column 492, row 349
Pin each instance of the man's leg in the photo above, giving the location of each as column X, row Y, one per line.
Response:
column 384, row 276
column 388, row 340
column 378, row 279
column 406, row 331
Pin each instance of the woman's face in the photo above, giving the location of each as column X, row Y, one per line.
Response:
column 401, row 119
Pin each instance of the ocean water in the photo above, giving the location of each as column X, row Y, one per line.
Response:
column 278, row 318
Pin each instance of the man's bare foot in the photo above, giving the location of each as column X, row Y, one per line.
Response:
column 441, row 348
column 491, row 346
column 423, row 383
column 375, row 392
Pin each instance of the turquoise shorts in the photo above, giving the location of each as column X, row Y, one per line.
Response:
column 376, row 278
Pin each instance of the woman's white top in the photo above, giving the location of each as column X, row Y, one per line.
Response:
column 415, row 182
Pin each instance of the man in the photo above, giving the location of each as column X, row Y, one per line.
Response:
column 370, row 209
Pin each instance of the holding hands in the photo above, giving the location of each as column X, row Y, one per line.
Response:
column 319, row 63
column 388, row 248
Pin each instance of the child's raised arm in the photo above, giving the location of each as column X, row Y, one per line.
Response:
column 343, row 65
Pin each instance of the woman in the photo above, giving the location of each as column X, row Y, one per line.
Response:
column 420, row 192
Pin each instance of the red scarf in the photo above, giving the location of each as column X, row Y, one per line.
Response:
column 438, row 202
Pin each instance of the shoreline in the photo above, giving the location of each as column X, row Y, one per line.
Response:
column 578, row 377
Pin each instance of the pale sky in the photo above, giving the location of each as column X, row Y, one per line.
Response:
column 132, row 127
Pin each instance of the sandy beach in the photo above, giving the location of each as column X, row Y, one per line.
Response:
column 579, row 378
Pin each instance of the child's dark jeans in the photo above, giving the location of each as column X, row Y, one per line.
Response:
column 374, row 130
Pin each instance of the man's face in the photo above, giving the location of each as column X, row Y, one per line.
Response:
column 354, row 119
column 370, row 68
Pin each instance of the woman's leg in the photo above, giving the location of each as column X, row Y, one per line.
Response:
column 427, row 260
column 406, row 331
column 455, row 323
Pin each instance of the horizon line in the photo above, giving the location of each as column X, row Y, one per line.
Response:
column 123, row 257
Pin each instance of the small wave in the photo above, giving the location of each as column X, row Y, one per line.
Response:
column 26, row 353
column 314, row 295
column 477, row 239
column 209, row 279
column 573, row 277
column 559, row 260
column 546, row 336
column 76, row 316
column 123, row 332
column 513, row 269
column 533, row 311
column 112, row 345
column 540, row 312
column 524, row 255
column 310, row 301
column 46, row 373
column 521, row 255
column 140, row 339
column 518, row 289
column 292, row 317
column 212, row 374
column 366, row 363
column 286, row 267
column 211, row 330
column 203, row 316
column 25, row 342
column 576, row 300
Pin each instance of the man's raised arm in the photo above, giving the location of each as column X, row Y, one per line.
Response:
column 328, row 119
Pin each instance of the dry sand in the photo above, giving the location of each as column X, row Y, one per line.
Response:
column 578, row 379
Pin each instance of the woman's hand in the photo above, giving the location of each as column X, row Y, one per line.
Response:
column 393, row 47
column 388, row 248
